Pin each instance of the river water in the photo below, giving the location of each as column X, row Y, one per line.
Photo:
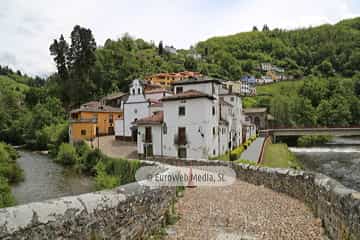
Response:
column 339, row 159
column 45, row 179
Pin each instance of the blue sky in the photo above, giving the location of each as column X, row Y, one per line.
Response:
column 28, row 27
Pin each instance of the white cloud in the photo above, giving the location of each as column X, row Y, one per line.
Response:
column 28, row 27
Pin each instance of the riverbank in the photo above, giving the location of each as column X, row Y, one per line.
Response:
column 279, row 156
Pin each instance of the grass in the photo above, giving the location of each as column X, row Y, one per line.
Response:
column 265, row 92
column 279, row 156
column 12, row 84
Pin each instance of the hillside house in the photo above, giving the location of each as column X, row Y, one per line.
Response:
column 198, row 121
column 92, row 119
column 165, row 80
column 259, row 117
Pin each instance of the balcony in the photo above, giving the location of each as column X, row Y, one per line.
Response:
column 83, row 120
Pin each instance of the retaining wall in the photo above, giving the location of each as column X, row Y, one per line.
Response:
column 336, row 205
column 130, row 211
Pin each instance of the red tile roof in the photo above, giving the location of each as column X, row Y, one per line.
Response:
column 158, row 90
column 187, row 95
column 159, row 104
column 95, row 106
column 156, row 118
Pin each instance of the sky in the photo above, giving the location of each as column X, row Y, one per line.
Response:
column 27, row 28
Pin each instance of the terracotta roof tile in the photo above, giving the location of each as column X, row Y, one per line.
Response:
column 96, row 107
column 158, row 90
column 156, row 118
column 187, row 95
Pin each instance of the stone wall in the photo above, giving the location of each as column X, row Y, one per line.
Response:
column 130, row 211
column 336, row 205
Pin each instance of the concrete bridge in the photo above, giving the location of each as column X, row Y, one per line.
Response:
column 344, row 131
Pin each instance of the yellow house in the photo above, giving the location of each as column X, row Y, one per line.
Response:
column 166, row 79
column 93, row 119
column 233, row 86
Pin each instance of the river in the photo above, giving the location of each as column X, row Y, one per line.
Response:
column 339, row 159
column 45, row 179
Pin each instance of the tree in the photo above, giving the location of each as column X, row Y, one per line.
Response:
column 206, row 51
column 60, row 50
column 324, row 113
column 314, row 89
column 357, row 84
column 75, row 64
column 326, row 68
column 265, row 28
column 190, row 64
column 161, row 48
column 304, row 112
column 254, row 29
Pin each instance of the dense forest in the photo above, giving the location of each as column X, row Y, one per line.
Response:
column 327, row 49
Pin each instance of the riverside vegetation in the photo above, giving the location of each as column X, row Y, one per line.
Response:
column 108, row 172
column 10, row 173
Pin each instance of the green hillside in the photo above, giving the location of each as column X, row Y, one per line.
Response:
column 326, row 49
column 13, row 83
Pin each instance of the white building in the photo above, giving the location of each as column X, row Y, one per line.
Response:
column 247, row 89
column 170, row 49
column 197, row 122
column 135, row 107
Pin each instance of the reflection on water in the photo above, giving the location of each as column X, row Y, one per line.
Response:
column 339, row 159
column 45, row 179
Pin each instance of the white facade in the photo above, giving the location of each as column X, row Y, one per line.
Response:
column 136, row 107
column 211, row 122
column 233, row 115
column 157, row 136
column 247, row 89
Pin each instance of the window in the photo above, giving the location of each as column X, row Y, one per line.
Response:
column 111, row 118
column 83, row 132
column 133, row 91
column 165, row 129
column 182, row 152
column 179, row 90
column 214, row 152
column 214, row 131
column 232, row 99
column 148, row 137
column 139, row 91
column 213, row 110
column 181, row 136
column 182, row 111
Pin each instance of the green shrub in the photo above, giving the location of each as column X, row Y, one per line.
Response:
column 90, row 159
column 111, row 172
column 245, row 161
column 6, row 198
column 306, row 141
column 11, row 151
column 66, row 155
column 236, row 153
column 9, row 169
column 104, row 180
